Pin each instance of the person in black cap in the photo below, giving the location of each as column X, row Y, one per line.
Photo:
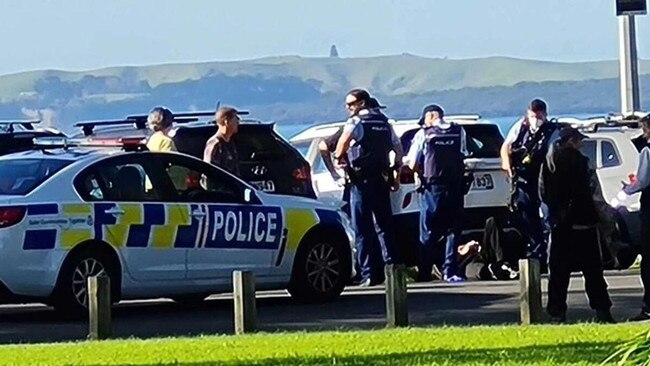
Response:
column 437, row 154
column 364, row 149
column 565, row 186
column 522, row 153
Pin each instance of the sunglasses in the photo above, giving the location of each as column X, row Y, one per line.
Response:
column 350, row 104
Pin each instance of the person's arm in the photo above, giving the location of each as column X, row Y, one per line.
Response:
column 463, row 142
column 209, row 148
column 643, row 174
column 343, row 144
column 167, row 145
column 413, row 155
column 397, row 148
column 505, row 148
column 326, row 155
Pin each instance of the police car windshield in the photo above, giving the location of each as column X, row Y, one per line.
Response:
column 21, row 176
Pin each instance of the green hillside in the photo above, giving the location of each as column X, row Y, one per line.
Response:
column 297, row 89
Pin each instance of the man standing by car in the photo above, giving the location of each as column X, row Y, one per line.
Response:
column 160, row 121
column 565, row 186
column 327, row 146
column 364, row 149
column 438, row 152
column 522, row 154
column 642, row 184
column 220, row 150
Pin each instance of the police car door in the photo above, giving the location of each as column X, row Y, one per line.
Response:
column 234, row 234
column 132, row 215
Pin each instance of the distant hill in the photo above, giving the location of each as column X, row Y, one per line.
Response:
column 295, row 89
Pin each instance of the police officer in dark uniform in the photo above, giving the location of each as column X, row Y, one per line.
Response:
column 522, row 154
column 642, row 184
column 367, row 141
column 566, row 186
column 437, row 152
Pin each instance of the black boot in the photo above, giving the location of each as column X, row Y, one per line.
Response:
column 605, row 317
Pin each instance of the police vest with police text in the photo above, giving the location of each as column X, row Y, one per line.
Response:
column 370, row 153
column 443, row 158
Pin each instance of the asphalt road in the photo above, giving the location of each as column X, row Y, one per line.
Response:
column 471, row 303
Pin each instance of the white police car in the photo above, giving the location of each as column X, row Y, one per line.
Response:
column 159, row 225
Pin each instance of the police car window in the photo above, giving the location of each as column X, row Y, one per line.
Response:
column 588, row 149
column 21, row 176
column 196, row 181
column 609, row 155
column 121, row 182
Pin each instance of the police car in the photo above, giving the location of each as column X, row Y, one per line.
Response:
column 488, row 195
column 158, row 224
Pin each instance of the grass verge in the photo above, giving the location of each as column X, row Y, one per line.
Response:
column 585, row 344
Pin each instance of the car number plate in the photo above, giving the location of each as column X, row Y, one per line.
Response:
column 265, row 185
column 483, row 182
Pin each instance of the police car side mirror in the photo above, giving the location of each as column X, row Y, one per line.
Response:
column 247, row 195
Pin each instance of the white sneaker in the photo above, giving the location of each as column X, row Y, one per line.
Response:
column 454, row 279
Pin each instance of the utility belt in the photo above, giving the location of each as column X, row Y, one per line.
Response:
column 427, row 183
column 357, row 175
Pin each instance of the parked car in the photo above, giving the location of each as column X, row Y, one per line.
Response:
column 18, row 135
column 267, row 161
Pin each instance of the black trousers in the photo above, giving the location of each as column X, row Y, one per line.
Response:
column 491, row 252
column 575, row 250
column 645, row 257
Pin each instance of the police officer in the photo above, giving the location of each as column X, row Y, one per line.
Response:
column 438, row 151
column 327, row 146
column 642, row 184
column 364, row 147
column 566, row 187
column 522, row 154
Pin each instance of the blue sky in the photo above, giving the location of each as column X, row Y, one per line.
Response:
column 77, row 34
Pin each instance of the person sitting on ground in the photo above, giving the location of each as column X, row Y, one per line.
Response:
column 486, row 261
column 161, row 121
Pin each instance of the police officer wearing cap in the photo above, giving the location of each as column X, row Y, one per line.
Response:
column 522, row 155
column 364, row 147
column 642, row 184
column 437, row 152
column 566, row 187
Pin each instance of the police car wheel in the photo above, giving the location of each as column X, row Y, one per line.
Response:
column 71, row 295
column 321, row 270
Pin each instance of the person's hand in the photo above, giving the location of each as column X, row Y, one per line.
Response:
column 505, row 166
column 340, row 182
column 339, row 164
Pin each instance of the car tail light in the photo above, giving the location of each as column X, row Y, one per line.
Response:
column 10, row 216
column 632, row 178
column 302, row 174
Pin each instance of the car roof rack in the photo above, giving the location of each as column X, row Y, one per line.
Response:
column 27, row 124
column 61, row 142
column 139, row 121
column 593, row 124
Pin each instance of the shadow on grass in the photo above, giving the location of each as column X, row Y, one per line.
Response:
column 553, row 355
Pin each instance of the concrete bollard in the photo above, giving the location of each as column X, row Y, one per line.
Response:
column 244, row 298
column 530, row 291
column 99, row 308
column 396, row 305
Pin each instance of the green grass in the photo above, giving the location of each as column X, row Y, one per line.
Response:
column 585, row 344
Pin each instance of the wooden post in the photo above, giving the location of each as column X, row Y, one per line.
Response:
column 396, row 307
column 244, row 297
column 530, row 292
column 99, row 308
